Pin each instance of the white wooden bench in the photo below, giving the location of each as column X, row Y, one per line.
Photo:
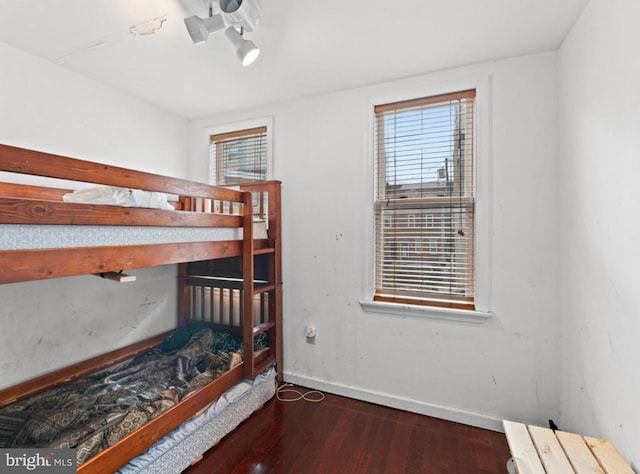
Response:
column 537, row 450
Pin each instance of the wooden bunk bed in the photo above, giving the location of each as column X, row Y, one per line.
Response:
column 211, row 274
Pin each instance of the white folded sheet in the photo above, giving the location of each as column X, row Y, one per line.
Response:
column 115, row 196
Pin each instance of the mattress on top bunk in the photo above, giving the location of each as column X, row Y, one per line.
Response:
column 96, row 411
column 180, row 448
column 28, row 236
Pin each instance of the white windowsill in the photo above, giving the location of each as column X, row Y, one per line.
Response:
column 429, row 312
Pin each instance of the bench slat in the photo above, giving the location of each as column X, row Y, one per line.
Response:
column 538, row 450
column 522, row 449
column 551, row 453
column 608, row 456
column 580, row 457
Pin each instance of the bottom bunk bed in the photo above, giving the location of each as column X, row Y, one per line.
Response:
column 100, row 414
column 159, row 404
column 185, row 445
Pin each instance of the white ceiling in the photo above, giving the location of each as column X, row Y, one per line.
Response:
column 308, row 47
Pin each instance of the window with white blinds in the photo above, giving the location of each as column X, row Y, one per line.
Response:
column 425, row 201
column 239, row 157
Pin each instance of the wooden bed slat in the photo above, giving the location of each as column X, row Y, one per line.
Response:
column 21, row 160
column 263, row 327
column 218, row 282
column 21, row 211
column 26, row 265
column 32, row 192
column 263, row 360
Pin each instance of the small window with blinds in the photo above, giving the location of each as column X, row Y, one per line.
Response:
column 425, row 201
column 239, row 157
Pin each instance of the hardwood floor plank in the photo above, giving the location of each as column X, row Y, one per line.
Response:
column 381, row 447
column 485, row 452
column 398, row 445
column 341, row 435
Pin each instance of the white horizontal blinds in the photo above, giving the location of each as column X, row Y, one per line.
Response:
column 239, row 157
column 425, row 198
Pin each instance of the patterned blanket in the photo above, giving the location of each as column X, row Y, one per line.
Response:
column 96, row 411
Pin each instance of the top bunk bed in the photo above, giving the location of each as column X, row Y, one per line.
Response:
column 226, row 243
column 210, row 213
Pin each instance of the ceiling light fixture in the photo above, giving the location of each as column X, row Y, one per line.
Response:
column 234, row 17
column 246, row 50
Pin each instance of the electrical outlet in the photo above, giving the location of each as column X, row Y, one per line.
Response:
column 310, row 333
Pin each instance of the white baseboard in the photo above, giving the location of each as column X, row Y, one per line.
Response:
column 386, row 399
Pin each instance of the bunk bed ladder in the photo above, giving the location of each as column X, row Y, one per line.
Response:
column 250, row 290
column 271, row 290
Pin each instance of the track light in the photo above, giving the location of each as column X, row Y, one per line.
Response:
column 231, row 16
column 246, row 50
column 199, row 28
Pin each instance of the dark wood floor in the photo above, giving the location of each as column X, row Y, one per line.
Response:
column 341, row 435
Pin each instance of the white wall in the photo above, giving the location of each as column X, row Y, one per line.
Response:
column 479, row 374
column 599, row 70
column 49, row 324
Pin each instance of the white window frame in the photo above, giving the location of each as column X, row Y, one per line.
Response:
column 483, row 271
column 242, row 125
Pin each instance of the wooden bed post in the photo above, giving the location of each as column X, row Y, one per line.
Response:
column 275, row 303
column 248, row 286
column 184, row 295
